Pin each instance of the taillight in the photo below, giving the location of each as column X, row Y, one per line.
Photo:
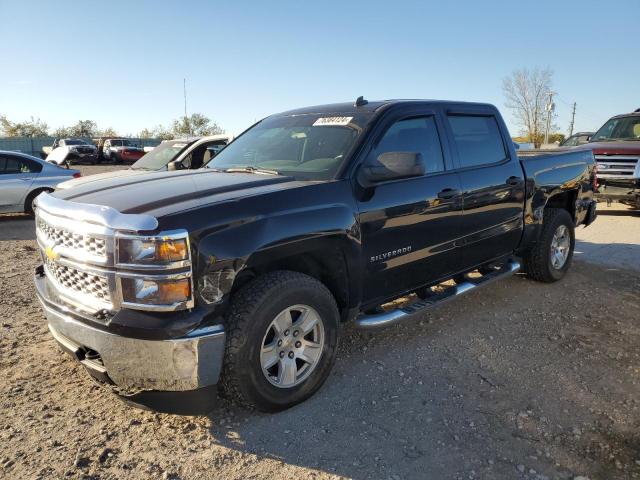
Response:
column 77, row 175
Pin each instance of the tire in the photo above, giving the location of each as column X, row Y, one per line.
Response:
column 28, row 203
column 539, row 264
column 251, row 325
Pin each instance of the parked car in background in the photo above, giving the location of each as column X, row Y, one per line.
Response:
column 66, row 151
column 181, row 154
column 240, row 274
column 23, row 177
column 576, row 139
column 616, row 148
column 119, row 150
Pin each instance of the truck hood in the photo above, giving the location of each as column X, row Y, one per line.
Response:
column 612, row 148
column 164, row 193
column 97, row 177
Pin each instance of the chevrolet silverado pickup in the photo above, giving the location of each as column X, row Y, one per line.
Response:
column 235, row 278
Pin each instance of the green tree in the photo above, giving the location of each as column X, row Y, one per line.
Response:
column 195, row 124
column 84, row 129
column 162, row 133
column 33, row 127
column 145, row 133
column 62, row 132
column 107, row 132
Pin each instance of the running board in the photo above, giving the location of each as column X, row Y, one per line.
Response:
column 384, row 319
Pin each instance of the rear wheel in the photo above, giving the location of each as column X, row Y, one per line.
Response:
column 28, row 203
column 281, row 342
column 550, row 258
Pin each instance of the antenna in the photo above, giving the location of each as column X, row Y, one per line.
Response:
column 361, row 101
column 184, row 88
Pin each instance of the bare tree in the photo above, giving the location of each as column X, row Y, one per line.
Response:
column 525, row 93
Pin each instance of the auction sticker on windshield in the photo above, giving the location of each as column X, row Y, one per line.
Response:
column 332, row 121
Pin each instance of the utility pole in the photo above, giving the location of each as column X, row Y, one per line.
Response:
column 186, row 121
column 549, row 107
column 573, row 117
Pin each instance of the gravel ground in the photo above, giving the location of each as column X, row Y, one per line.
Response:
column 519, row 381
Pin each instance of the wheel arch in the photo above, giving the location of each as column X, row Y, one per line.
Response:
column 323, row 259
column 32, row 194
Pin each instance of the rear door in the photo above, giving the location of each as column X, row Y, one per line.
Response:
column 16, row 176
column 409, row 226
column 492, row 184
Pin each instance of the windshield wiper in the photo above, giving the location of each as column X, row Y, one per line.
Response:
column 251, row 169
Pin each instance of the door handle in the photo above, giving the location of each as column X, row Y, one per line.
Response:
column 448, row 193
column 513, row 180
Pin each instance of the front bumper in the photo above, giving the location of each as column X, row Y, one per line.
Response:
column 626, row 191
column 189, row 362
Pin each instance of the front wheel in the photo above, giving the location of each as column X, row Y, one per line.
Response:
column 550, row 258
column 281, row 342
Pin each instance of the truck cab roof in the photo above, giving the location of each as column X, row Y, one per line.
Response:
column 373, row 106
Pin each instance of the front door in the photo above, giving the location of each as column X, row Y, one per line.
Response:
column 409, row 226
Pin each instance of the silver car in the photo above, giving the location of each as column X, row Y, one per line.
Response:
column 23, row 177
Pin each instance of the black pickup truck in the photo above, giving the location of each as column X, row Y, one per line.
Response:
column 172, row 285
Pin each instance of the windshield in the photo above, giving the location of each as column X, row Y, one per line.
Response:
column 622, row 128
column 75, row 141
column 158, row 158
column 307, row 147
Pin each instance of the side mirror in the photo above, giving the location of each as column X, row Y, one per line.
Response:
column 391, row 166
column 516, row 146
column 175, row 165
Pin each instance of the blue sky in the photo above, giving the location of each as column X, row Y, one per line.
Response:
column 122, row 63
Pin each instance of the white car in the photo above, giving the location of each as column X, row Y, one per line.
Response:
column 23, row 178
column 181, row 154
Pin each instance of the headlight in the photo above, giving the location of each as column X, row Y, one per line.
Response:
column 148, row 291
column 166, row 257
column 153, row 250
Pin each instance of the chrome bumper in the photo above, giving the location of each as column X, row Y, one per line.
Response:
column 133, row 365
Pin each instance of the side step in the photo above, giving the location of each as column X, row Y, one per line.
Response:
column 384, row 319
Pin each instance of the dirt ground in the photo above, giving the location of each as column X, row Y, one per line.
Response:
column 519, row 381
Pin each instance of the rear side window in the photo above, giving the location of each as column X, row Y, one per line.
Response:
column 12, row 165
column 418, row 135
column 29, row 166
column 477, row 139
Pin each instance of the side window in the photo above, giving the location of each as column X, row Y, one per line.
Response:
column 12, row 166
column 418, row 135
column 3, row 164
column 29, row 166
column 477, row 139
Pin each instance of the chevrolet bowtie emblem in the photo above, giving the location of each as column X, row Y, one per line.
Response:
column 51, row 255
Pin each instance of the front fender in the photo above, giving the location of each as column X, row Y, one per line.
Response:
column 329, row 231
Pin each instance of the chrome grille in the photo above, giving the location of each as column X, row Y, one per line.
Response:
column 56, row 236
column 77, row 281
column 616, row 166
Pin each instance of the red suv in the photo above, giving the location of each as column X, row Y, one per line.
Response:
column 616, row 148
